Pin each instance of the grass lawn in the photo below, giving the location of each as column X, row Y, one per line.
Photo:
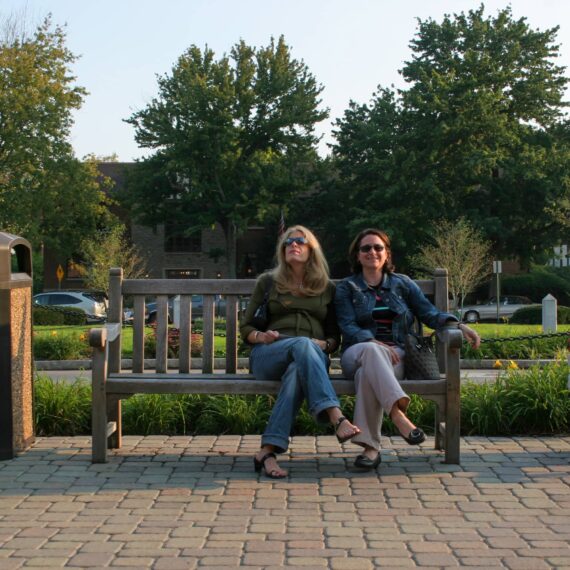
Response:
column 127, row 341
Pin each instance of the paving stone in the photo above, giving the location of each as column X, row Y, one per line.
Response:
column 175, row 502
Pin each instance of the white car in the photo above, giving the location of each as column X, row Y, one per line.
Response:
column 487, row 311
column 94, row 307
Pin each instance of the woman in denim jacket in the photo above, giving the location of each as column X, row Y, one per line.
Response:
column 375, row 307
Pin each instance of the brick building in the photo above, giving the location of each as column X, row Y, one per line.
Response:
column 171, row 254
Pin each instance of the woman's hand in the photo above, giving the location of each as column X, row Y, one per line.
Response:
column 262, row 337
column 393, row 352
column 322, row 344
column 470, row 335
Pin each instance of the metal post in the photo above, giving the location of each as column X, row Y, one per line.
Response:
column 497, row 269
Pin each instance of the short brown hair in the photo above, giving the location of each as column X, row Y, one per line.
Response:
column 353, row 250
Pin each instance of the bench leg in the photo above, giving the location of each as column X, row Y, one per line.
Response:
column 453, row 409
column 99, row 408
column 439, row 444
column 115, row 440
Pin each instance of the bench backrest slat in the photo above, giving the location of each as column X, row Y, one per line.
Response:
column 231, row 333
column 208, row 342
column 162, row 333
column 231, row 289
column 185, row 340
column 138, row 334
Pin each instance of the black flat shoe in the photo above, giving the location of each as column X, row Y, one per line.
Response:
column 346, row 437
column 364, row 462
column 258, row 465
column 415, row 437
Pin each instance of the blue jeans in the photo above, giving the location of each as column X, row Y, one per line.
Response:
column 302, row 368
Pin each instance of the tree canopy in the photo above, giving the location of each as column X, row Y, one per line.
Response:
column 479, row 133
column 46, row 194
column 233, row 139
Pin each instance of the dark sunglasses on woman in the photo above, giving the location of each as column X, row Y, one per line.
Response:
column 375, row 246
column 298, row 240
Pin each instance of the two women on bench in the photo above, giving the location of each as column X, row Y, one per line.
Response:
column 374, row 306
column 301, row 332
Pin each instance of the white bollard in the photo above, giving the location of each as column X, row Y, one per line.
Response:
column 549, row 317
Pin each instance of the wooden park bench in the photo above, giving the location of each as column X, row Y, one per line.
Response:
column 111, row 384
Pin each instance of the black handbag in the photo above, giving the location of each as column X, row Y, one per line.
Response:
column 420, row 361
column 260, row 318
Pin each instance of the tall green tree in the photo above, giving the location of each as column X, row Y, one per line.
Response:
column 478, row 135
column 46, row 194
column 233, row 139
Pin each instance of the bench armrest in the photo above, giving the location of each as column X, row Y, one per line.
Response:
column 450, row 336
column 98, row 338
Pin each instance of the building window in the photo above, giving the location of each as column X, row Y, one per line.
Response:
column 182, row 273
column 74, row 270
column 176, row 241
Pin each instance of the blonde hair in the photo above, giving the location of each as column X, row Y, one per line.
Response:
column 316, row 277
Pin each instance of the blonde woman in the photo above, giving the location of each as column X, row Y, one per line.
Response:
column 301, row 332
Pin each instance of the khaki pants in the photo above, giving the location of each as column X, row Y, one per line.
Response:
column 377, row 387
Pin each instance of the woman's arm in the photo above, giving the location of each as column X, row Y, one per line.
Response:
column 346, row 315
column 331, row 328
column 246, row 326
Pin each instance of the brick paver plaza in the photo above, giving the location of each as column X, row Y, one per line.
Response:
column 182, row 502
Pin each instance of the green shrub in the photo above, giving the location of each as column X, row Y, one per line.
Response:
column 533, row 401
column 44, row 316
column 196, row 343
column 73, row 316
column 533, row 316
column 56, row 316
column 537, row 284
column 61, row 408
column 54, row 346
column 518, row 402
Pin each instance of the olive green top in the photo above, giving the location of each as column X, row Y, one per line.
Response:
column 312, row 317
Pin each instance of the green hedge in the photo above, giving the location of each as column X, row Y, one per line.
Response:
column 43, row 316
column 534, row 401
column 533, row 316
column 55, row 316
column 537, row 284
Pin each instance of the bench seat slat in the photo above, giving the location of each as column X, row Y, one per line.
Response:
column 235, row 384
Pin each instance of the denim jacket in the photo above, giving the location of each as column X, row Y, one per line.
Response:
column 354, row 302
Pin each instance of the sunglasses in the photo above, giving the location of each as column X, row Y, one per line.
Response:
column 375, row 246
column 298, row 240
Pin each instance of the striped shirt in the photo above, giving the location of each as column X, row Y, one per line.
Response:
column 384, row 318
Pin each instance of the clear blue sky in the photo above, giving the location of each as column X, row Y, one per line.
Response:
column 351, row 46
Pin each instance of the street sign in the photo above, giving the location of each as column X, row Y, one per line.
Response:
column 497, row 267
column 59, row 273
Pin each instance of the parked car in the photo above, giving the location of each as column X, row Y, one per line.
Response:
column 197, row 309
column 487, row 311
column 151, row 311
column 95, row 309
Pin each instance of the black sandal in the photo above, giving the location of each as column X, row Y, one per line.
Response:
column 415, row 437
column 346, row 437
column 258, row 465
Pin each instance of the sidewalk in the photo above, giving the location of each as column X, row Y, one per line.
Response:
column 181, row 502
